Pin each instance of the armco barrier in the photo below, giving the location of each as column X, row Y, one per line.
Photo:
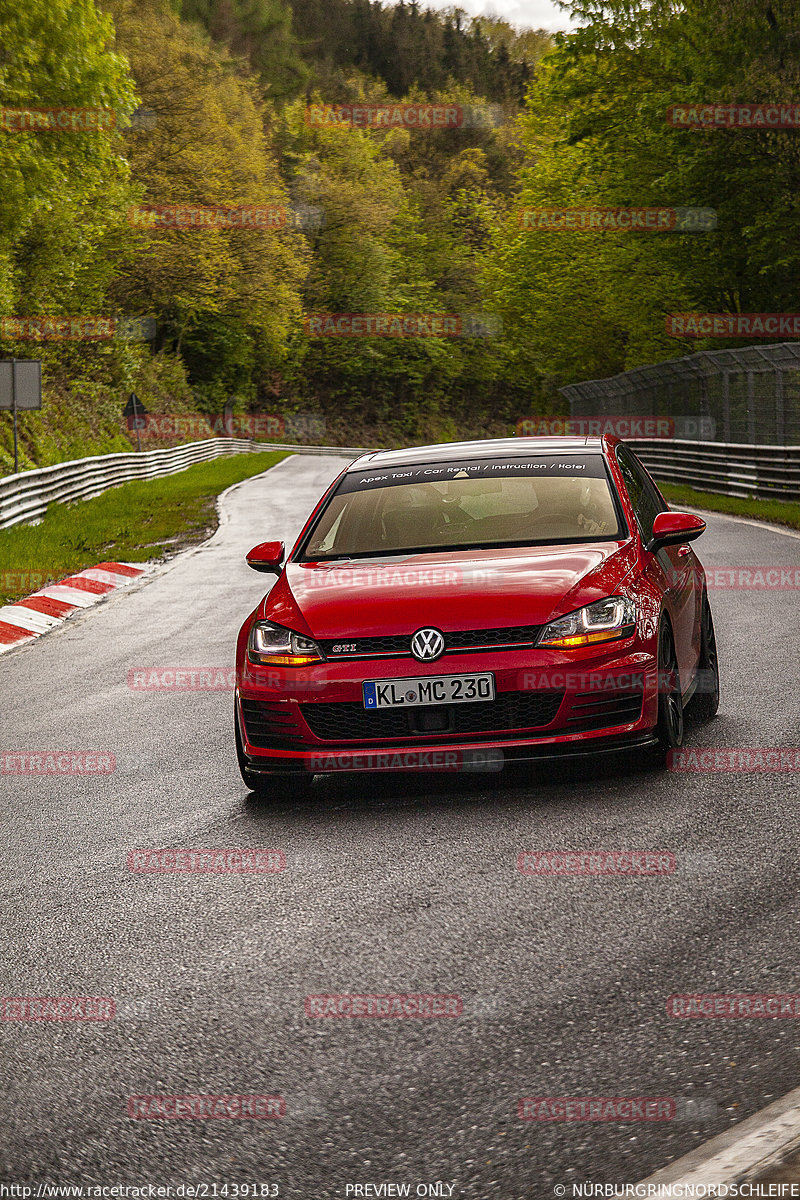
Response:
column 25, row 497
column 727, row 469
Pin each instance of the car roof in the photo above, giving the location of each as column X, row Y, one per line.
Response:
column 488, row 448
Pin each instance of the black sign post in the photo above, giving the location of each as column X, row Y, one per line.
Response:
column 135, row 411
column 20, row 389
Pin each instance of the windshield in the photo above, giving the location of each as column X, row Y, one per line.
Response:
column 466, row 505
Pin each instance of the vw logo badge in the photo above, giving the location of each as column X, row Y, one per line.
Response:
column 427, row 644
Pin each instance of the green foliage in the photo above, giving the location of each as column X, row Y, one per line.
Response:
column 81, row 412
column 215, row 289
column 406, row 222
column 584, row 305
column 404, row 45
column 409, row 221
column 261, row 32
column 63, row 192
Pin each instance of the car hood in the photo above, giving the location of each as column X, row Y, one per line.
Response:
column 483, row 589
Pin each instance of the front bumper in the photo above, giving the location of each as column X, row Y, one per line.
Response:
column 548, row 706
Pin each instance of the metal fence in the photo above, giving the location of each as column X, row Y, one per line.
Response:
column 25, row 497
column 749, row 396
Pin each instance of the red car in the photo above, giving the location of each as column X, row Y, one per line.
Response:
column 457, row 606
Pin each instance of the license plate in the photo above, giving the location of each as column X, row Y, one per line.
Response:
column 428, row 689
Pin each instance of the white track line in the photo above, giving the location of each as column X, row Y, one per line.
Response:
column 101, row 575
column 27, row 618
column 70, row 595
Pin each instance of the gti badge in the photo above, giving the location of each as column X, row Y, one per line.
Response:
column 427, row 644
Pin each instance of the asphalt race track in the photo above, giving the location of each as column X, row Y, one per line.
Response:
column 393, row 884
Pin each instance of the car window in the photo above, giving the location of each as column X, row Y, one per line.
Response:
column 646, row 499
column 519, row 501
column 651, row 483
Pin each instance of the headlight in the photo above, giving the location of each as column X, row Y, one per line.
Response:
column 604, row 621
column 273, row 645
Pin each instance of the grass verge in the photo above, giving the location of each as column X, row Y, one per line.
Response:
column 779, row 512
column 130, row 523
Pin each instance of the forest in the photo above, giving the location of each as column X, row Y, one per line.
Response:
column 276, row 178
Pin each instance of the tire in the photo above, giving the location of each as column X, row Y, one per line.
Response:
column 705, row 702
column 268, row 786
column 670, row 728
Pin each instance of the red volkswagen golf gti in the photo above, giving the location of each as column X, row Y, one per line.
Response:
column 458, row 606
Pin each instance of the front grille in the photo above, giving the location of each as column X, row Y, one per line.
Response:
column 271, row 726
column 596, row 710
column 351, row 722
column 400, row 644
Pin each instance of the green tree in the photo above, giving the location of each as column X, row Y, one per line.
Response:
column 261, row 32
column 227, row 297
column 580, row 305
column 63, row 193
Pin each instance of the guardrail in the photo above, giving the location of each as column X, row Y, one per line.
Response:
column 727, row 469
column 25, row 497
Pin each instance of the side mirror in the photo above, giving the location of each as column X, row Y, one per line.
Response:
column 673, row 529
column 267, row 557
